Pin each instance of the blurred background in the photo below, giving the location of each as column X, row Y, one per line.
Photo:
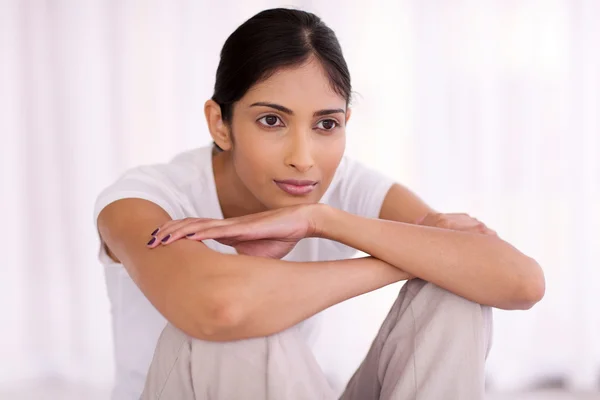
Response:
column 480, row 106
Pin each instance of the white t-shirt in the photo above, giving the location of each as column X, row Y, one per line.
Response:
column 185, row 187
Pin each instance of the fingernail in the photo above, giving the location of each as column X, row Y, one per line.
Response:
column 151, row 241
column 155, row 232
column 190, row 234
column 166, row 238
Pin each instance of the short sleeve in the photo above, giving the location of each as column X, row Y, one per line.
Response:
column 146, row 183
column 362, row 189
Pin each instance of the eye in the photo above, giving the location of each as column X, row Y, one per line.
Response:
column 328, row 124
column 270, row 121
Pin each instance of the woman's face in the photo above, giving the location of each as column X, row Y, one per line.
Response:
column 289, row 136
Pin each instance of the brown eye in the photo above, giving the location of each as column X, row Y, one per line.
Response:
column 327, row 124
column 270, row 121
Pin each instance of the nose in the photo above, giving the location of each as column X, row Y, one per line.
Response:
column 299, row 153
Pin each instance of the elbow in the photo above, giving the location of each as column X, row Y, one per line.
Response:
column 219, row 320
column 531, row 285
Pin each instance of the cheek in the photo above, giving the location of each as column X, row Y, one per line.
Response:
column 331, row 155
column 252, row 157
column 249, row 166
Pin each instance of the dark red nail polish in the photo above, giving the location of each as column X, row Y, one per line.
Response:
column 166, row 238
column 155, row 232
column 151, row 241
column 190, row 234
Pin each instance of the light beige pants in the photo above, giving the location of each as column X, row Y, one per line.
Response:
column 431, row 346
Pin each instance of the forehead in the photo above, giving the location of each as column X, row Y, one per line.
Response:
column 300, row 87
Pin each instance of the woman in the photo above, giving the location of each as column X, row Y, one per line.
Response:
column 211, row 245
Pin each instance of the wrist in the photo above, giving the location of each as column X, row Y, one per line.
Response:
column 322, row 217
column 325, row 220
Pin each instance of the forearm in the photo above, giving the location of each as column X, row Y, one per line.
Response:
column 482, row 268
column 268, row 296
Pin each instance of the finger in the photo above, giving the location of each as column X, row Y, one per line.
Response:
column 418, row 221
column 457, row 223
column 188, row 230
column 160, row 232
column 462, row 224
column 222, row 231
column 465, row 220
column 227, row 228
column 482, row 229
column 166, row 226
column 431, row 219
column 458, row 215
column 164, row 233
column 489, row 231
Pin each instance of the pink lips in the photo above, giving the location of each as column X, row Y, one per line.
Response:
column 296, row 187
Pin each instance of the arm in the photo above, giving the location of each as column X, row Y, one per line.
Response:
column 482, row 268
column 219, row 297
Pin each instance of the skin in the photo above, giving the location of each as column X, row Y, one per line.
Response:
column 221, row 297
column 298, row 146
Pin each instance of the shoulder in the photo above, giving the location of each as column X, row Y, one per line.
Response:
column 358, row 188
column 179, row 172
column 351, row 171
column 166, row 184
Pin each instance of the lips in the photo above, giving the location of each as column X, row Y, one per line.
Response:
column 296, row 187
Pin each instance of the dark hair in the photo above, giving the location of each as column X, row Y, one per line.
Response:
column 274, row 39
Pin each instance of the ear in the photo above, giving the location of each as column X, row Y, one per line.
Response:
column 217, row 127
column 348, row 114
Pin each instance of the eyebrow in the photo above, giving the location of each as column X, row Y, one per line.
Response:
column 286, row 110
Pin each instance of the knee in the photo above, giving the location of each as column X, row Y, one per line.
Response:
column 439, row 301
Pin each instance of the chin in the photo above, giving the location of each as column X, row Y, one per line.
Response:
column 288, row 201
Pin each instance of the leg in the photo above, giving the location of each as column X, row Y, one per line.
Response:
column 432, row 345
column 275, row 367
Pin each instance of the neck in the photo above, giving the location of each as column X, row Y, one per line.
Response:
column 234, row 198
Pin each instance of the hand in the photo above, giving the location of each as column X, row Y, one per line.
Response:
column 271, row 234
column 456, row 222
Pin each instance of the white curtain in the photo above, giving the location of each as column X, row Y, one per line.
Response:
column 488, row 107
